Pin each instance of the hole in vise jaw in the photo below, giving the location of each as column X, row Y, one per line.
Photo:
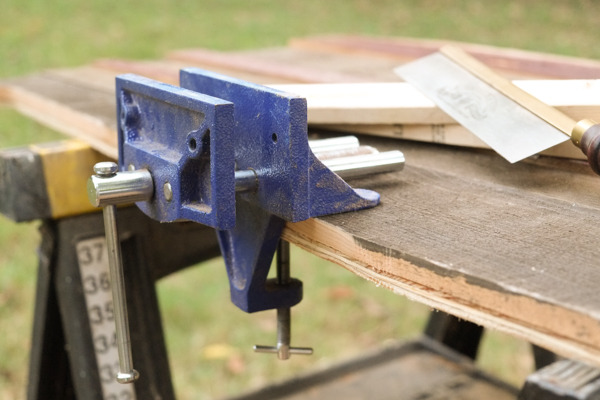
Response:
column 199, row 141
column 192, row 144
column 274, row 137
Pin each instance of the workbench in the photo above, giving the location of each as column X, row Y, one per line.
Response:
column 508, row 247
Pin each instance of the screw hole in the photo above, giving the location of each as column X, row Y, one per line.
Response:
column 274, row 138
column 192, row 144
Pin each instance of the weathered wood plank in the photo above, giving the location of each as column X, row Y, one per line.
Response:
column 68, row 107
column 447, row 134
column 168, row 70
column 511, row 247
column 400, row 103
column 512, row 62
column 295, row 65
column 65, row 100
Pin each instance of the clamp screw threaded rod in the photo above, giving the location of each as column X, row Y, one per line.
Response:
column 104, row 182
column 284, row 320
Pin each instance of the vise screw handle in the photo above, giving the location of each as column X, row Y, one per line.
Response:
column 106, row 189
column 586, row 136
column 284, row 320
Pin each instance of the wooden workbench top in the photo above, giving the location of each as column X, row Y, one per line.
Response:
column 512, row 247
column 507, row 246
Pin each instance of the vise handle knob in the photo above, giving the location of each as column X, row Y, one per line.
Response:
column 284, row 320
column 107, row 188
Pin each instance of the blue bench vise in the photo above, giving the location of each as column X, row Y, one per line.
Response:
column 229, row 154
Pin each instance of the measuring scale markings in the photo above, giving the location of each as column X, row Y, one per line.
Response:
column 93, row 266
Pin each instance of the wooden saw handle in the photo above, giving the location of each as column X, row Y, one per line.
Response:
column 586, row 136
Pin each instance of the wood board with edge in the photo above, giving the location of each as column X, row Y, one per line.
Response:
column 511, row 247
column 446, row 134
column 400, row 103
column 64, row 100
column 507, row 61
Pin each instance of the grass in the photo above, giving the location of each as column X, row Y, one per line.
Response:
column 208, row 339
column 17, row 287
column 37, row 34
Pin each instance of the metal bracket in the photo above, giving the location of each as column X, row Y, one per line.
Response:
column 216, row 136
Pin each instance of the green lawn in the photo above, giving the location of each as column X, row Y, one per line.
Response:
column 209, row 340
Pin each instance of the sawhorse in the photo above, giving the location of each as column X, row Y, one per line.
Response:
column 48, row 183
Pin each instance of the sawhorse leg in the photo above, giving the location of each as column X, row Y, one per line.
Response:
column 464, row 337
column 66, row 345
column 49, row 373
column 460, row 335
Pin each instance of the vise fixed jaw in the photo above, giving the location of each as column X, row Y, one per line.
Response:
column 234, row 156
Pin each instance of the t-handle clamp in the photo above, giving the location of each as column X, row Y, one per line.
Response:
column 106, row 189
column 284, row 318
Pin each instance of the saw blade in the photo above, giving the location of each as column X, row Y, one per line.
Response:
column 508, row 127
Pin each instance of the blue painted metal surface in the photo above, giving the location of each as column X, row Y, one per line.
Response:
column 184, row 139
column 271, row 137
column 195, row 136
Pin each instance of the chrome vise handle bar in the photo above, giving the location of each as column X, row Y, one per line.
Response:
column 106, row 189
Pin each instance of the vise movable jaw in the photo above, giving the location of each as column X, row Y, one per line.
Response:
column 232, row 155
